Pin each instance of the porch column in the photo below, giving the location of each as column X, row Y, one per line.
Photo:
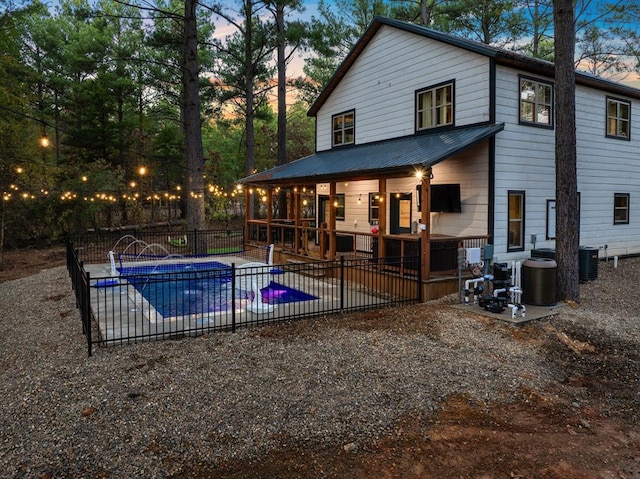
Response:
column 296, row 219
column 247, row 213
column 332, row 219
column 269, row 213
column 425, row 234
column 382, row 215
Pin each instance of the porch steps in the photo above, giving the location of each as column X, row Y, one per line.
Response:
column 318, row 273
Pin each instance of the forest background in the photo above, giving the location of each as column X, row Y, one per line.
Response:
column 124, row 112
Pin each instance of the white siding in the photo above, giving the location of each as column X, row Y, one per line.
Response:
column 470, row 170
column 525, row 160
column 381, row 86
column 606, row 166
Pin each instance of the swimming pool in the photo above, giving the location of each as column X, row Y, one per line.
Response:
column 179, row 290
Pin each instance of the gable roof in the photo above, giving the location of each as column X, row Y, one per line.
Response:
column 501, row 56
column 400, row 155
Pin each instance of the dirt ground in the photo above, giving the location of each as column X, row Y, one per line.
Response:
column 25, row 262
column 543, row 435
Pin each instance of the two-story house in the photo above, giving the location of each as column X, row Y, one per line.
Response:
column 426, row 142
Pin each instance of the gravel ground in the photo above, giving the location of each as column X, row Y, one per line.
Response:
column 143, row 410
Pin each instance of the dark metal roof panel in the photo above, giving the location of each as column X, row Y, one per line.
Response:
column 397, row 154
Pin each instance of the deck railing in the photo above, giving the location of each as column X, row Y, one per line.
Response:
column 314, row 242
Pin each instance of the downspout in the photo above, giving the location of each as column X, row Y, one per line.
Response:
column 491, row 197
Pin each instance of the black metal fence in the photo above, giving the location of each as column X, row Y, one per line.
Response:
column 94, row 247
column 177, row 297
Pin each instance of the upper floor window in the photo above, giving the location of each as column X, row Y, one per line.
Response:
column 434, row 107
column 536, row 102
column 618, row 118
column 621, row 209
column 343, row 129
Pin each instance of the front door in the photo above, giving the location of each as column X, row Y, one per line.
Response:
column 400, row 213
column 323, row 214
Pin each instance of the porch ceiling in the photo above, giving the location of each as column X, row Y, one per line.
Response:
column 397, row 157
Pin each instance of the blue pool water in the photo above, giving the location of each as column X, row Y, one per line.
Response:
column 172, row 268
column 198, row 289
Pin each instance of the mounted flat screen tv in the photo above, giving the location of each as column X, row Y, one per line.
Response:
column 444, row 198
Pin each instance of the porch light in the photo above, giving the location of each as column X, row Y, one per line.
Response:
column 419, row 174
column 335, row 203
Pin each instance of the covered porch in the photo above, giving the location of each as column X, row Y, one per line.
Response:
column 370, row 201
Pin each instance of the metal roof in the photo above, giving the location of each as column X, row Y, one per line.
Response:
column 385, row 157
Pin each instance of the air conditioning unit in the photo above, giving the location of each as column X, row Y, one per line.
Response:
column 588, row 263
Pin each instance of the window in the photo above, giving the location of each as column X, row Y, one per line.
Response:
column 621, row 208
column 339, row 206
column 618, row 118
column 516, row 221
column 434, row 107
column 374, row 208
column 343, row 128
column 536, row 102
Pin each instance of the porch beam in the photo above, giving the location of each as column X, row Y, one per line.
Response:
column 269, row 213
column 247, row 213
column 296, row 218
column 382, row 215
column 425, row 234
column 333, row 198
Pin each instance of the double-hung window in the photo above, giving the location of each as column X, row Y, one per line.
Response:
column 621, row 208
column 374, row 208
column 516, row 221
column 434, row 107
column 536, row 102
column 343, row 128
column 618, row 118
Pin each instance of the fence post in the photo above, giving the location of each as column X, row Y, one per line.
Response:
column 341, row 283
column 233, row 297
column 86, row 313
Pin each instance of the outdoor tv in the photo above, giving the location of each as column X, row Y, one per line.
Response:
column 444, row 198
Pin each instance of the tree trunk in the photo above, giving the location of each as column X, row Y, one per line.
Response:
column 282, row 105
column 192, row 126
column 567, row 220
column 248, row 83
